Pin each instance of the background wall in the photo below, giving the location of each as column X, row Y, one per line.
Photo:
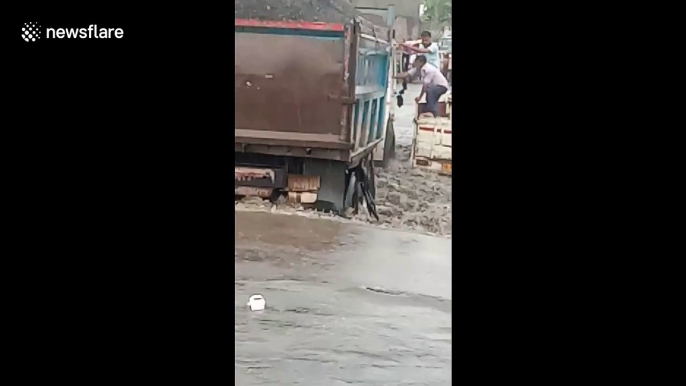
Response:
column 407, row 23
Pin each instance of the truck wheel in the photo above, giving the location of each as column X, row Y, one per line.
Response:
column 389, row 145
column 353, row 193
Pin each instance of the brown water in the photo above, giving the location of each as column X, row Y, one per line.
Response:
column 346, row 304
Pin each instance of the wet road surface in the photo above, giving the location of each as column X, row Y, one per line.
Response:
column 403, row 122
column 346, row 304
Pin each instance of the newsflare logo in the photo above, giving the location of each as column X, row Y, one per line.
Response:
column 31, row 32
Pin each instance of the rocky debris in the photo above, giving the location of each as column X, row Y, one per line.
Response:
column 412, row 199
column 328, row 11
column 256, row 204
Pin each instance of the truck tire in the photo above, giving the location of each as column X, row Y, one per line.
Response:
column 352, row 190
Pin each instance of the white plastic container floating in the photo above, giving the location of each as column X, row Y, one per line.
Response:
column 257, row 303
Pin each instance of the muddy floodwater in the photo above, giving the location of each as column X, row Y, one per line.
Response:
column 346, row 304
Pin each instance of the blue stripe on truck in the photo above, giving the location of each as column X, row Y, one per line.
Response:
column 325, row 35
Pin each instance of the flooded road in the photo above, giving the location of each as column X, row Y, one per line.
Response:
column 406, row 198
column 346, row 304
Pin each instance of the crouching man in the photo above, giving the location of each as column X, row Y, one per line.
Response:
column 434, row 83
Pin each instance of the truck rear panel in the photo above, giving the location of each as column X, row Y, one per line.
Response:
column 310, row 89
column 289, row 80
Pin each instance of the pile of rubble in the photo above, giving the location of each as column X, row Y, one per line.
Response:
column 328, row 11
column 416, row 200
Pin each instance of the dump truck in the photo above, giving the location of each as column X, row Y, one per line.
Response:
column 312, row 102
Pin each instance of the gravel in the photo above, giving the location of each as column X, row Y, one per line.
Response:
column 413, row 199
column 328, row 11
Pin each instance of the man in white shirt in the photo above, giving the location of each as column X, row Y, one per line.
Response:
column 426, row 48
column 435, row 84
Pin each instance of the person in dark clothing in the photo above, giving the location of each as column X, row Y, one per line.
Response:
column 406, row 61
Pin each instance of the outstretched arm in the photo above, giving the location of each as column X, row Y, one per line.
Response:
column 420, row 50
column 404, row 75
